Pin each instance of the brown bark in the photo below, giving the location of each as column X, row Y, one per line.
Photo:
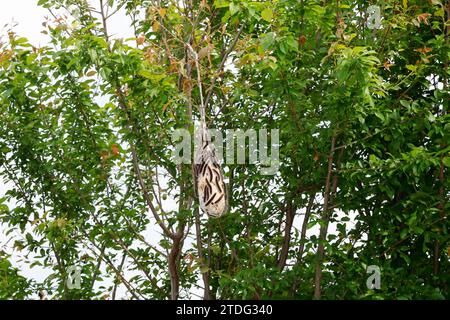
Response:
column 173, row 259
column 290, row 214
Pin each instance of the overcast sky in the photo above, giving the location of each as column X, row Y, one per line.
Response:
column 27, row 17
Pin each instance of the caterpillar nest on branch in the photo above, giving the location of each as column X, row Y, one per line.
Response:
column 209, row 178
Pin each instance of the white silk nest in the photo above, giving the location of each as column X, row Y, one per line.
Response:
column 210, row 184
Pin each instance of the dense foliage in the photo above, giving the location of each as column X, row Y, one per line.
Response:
column 85, row 150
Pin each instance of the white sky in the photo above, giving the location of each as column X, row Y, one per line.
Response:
column 27, row 17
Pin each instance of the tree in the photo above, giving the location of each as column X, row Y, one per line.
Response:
column 362, row 111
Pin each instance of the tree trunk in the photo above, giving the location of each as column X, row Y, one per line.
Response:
column 324, row 225
column 290, row 214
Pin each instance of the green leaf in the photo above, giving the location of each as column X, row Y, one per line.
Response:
column 150, row 75
column 221, row 4
column 403, row 233
column 204, row 269
column 267, row 14
column 91, row 73
column 446, row 161
column 233, row 8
